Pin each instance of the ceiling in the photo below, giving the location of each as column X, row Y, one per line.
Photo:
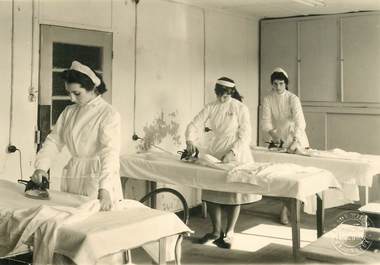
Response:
column 284, row 8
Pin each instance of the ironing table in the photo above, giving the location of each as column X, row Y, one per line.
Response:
column 168, row 169
column 350, row 169
column 358, row 169
column 100, row 234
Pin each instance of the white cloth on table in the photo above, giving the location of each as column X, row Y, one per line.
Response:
column 284, row 113
column 349, row 168
column 298, row 182
column 126, row 227
column 39, row 226
column 71, row 225
column 92, row 135
column 334, row 153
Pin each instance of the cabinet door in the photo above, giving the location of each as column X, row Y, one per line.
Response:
column 278, row 49
column 361, row 54
column 319, row 68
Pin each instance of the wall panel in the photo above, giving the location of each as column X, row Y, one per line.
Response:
column 354, row 132
column 5, row 70
column 361, row 54
column 315, row 129
column 169, row 76
column 83, row 13
column 232, row 51
column 278, row 49
column 319, row 67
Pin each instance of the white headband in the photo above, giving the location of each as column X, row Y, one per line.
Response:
column 280, row 70
column 84, row 69
column 225, row 83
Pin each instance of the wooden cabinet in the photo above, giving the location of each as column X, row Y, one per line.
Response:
column 278, row 49
column 331, row 59
column 336, row 60
column 319, row 65
column 361, row 55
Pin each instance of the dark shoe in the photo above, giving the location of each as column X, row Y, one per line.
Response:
column 206, row 238
column 223, row 241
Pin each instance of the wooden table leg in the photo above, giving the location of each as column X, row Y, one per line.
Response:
column 124, row 181
column 295, row 219
column 153, row 199
column 162, row 251
column 320, row 215
column 204, row 210
column 178, row 250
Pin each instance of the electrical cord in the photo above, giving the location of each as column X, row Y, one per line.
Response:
column 20, row 162
column 135, row 69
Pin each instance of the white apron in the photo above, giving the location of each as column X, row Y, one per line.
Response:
column 231, row 129
column 91, row 133
column 284, row 113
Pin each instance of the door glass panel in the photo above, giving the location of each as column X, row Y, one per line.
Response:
column 57, row 107
column 64, row 54
column 58, row 84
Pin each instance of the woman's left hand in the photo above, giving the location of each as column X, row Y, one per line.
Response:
column 105, row 200
column 229, row 157
column 293, row 147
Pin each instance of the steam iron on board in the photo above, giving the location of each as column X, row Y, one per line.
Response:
column 187, row 156
column 34, row 190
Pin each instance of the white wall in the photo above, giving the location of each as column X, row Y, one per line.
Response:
column 175, row 63
column 24, row 111
column 232, row 51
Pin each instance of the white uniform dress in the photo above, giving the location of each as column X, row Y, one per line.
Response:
column 284, row 113
column 92, row 135
column 230, row 124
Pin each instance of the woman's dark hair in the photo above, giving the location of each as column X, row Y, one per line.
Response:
column 74, row 76
column 279, row 76
column 220, row 90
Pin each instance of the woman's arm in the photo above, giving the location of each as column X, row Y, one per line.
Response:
column 266, row 117
column 109, row 151
column 244, row 131
column 196, row 126
column 299, row 119
column 52, row 146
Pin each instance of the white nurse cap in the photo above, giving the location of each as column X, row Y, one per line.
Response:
column 280, row 70
column 84, row 69
column 225, row 83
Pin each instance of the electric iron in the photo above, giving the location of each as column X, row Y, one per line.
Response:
column 34, row 190
column 276, row 146
column 187, row 156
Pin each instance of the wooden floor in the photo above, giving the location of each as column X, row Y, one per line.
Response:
column 260, row 238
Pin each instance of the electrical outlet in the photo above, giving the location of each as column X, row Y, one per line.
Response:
column 11, row 148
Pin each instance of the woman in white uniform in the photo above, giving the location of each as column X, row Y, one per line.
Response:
column 228, row 119
column 90, row 129
column 283, row 119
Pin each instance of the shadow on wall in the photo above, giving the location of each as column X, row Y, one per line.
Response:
column 161, row 129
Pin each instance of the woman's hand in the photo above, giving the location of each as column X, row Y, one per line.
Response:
column 190, row 147
column 293, row 147
column 274, row 135
column 229, row 157
column 105, row 200
column 37, row 176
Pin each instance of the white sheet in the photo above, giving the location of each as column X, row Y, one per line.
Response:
column 350, row 169
column 68, row 226
column 347, row 167
column 299, row 183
